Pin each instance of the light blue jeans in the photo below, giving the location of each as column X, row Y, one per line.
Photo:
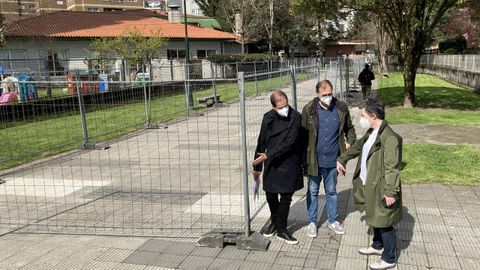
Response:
column 329, row 176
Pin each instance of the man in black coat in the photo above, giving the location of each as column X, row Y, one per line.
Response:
column 279, row 152
column 365, row 78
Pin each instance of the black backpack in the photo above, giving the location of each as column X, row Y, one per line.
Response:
column 363, row 77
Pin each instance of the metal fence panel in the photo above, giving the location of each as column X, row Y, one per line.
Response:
column 127, row 156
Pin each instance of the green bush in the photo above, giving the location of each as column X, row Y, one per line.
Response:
column 232, row 58
column 453, row 45
column 450, row 51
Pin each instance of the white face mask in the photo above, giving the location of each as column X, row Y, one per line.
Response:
column 283, row 111
column 326, row 100
column 364, row 123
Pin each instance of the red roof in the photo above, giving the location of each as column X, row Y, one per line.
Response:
column 77, row 24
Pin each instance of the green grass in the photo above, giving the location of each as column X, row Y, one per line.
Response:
column 49, row 135
column 446, row 164
column 438, row 102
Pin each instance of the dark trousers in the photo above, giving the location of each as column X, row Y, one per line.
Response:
column 385, row 238
column 279, row 209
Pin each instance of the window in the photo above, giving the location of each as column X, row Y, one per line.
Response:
column 211, row 52
column 112, row 9
column 59, row 2
column 13, row 59
column 132, row 1
column 55, row 61
column 201, row 54
column 92, row 9
column 175, row 54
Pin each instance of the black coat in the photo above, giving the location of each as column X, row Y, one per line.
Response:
column 281, row 139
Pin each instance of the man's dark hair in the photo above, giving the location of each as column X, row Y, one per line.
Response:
column 374, row 106
column 276, row 95
column 322, row 84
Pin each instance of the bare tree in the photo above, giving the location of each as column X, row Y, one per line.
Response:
column 3, row 29
column 373, row 30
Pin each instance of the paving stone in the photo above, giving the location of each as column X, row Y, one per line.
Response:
column 349, row 251
column 436, row 249
column 206, row 252
column 281, row 267
column 262, row 256
column 141, row 257
column 408, row 267
column 168, row 260
column 326, row 262
column 155, row 245
column 469, row 263
column 290, row 258
column 232, row 252
column 196, row 262
column 351, row 264
column 127, row 266
column 114, row 255
column 227, row 264
column 413, row 258
column 447, row 262
column 97, row 265
column 256, row 266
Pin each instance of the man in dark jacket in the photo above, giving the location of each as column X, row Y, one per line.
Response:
column 279, row 152
column 376, row 181
column 365, row 78
column 330, row 132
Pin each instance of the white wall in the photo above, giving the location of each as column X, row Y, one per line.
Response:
column 77, row 50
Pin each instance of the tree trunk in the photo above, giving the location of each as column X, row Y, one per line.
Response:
column 409, row 75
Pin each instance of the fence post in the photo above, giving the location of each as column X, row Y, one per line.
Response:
column 347, row 78
column 269, row 63
column 214, row 85
column 188, row 90
column 341, row 80
column 246, row 201
column 81, row 106
column 145, row 98
column 293, row 87
column 256, row 79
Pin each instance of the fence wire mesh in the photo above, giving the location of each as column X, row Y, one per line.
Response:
column 143, row 157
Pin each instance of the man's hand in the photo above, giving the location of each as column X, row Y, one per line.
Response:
column 348, row 145
column 256, row 175
column 389, row 200
column 261, row 158
column 340, row 168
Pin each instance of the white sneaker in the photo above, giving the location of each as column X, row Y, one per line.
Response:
column 381, row 265
column 312, row 229
column 370, row 251
column 336, row 227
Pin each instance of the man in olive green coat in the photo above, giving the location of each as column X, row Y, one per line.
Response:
column 376, row 181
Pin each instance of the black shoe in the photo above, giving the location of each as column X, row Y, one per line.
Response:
column 287, row 237
column 270, row 230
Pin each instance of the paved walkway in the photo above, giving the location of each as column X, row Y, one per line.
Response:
column 440, row 230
